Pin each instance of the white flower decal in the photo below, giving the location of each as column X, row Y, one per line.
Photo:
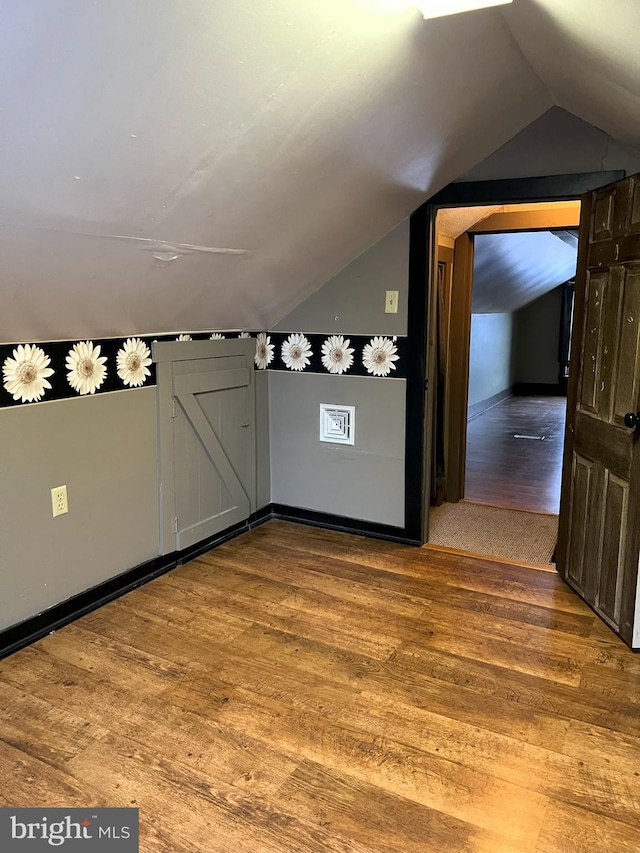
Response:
column 296, row 351
column 378, row 356
column 85, row 365
column 184, row 338
column 244, row 335
column 133, row 361
column 216, row 336
column 25, row 375
column 337, row 355
column 264, row 351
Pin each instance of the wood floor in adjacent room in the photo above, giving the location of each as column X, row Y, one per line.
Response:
column 517, row 473
column 305, row 690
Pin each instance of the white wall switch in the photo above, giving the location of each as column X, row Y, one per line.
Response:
column 391, row 302
column 59, row 500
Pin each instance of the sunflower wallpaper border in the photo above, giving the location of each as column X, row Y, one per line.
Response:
column 58, row 370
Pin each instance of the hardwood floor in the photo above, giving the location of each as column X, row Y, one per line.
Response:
column 511, row 472
column 304, row 690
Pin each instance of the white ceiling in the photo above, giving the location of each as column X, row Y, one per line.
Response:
column 512, row 270
column 298, row 132
column 586, row 53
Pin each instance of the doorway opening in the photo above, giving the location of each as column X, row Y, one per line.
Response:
column 501, row 339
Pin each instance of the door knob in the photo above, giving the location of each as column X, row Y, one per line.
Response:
column 632, row 420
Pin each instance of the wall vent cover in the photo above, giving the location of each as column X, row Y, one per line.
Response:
column 337, row 423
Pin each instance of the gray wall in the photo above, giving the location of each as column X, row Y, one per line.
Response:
column 103, row 449
column 263, row 473
column 353, row 301
column 365, row 481
column 554, row 144
column 490, row 359
column 537, row 332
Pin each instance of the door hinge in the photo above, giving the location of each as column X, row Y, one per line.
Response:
column 173, row 408
column 426, row 384
column 174, row 524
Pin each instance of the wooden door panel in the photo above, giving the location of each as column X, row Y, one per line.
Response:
column 591, row 356
column 627, row 387
column 228, row 413
column 203, row 365
column 634, row 205
column 599, row 512
column 593, row 437
column 602, row 223
column 607, row 357
column 211, row 380
column 614, row 504
column 205, row 503
column 212, row 446
column 215, row 497
column 187, row 474
column 200, row 497
column 601, row 343
column 582, row 470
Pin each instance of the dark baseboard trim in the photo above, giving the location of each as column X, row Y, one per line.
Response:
column 200, row 548
column 261, row 515
column 36, row 627
column 539, row 389
column 24, row 633
column 342, row 523
column 488, row 403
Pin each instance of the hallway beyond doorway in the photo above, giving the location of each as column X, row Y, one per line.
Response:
column 517, row 473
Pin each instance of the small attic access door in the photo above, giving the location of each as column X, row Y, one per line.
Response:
column 206, row 428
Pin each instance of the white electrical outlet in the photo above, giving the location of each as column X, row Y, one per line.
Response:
column 391, row 302
column 59, row 500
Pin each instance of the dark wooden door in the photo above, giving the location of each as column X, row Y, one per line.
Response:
column 600, row 507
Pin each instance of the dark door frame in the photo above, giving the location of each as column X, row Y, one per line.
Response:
column 422, row 259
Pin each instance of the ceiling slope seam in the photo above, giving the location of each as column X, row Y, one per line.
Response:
column 529, row 63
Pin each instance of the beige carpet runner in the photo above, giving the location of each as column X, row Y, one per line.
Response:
column 528, row 537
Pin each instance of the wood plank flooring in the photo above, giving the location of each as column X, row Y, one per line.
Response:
column 517, row 473
column 305, row 690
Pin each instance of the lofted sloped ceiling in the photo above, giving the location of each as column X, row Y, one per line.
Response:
column 512, row 270
column 299, row 133
column 171, row 166
column 586, row 53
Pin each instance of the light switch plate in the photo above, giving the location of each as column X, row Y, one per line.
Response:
column 391, row 302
